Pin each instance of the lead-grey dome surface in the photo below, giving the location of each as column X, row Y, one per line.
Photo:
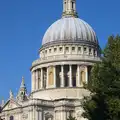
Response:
column 69, row 30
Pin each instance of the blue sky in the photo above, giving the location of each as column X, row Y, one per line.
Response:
column 23, row 24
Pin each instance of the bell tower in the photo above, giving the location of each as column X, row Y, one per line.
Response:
column 22, row 94
column 69, row 8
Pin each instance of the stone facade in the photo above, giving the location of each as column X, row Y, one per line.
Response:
column 59, row 74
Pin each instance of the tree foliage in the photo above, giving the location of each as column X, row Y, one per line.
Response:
column 71, row 118
column 104, row 101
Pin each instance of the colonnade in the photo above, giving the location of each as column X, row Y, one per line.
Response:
column 59, row 76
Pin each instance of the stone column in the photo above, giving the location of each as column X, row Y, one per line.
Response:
column 47, row 81
column 82, row 50
column 64, row 115
column 40, row 115
column 37, row 114
column 78, row 79
column 19, row 117
column 62, row 76
column 86, row 71
column 37, row 82
column 32, row 81
column 70, row 76
column 54, row 76
column 34, row 116
column 30, row 113
column 41, row 78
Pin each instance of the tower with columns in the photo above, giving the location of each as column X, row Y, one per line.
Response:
column 69, row 8
column 69, row 50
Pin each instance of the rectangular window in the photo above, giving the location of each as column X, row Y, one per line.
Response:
column 90, row 51
column 85, row 49
column 67, row 49
column 55, row 49
column 61, row 49
column 79, row 49
column 49, row 50
column 73, row 49
column 72, row 5
column 95, row 53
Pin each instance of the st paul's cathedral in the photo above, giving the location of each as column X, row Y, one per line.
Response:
column 69, row 50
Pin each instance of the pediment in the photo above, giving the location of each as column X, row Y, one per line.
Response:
column 11, row 104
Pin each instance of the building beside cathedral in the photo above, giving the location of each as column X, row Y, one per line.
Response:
column 69, row 50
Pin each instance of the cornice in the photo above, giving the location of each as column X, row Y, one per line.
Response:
column 69, row 42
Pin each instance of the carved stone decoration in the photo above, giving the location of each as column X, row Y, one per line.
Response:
column 9, row 105
column 79, row 114
column 24, row 116
column 48, row 116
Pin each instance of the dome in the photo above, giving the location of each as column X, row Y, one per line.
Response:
column 69, row 29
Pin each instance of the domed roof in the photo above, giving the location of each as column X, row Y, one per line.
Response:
column 69, row 29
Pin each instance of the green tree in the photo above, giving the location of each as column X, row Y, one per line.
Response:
column 104, row 85
column 71, row 118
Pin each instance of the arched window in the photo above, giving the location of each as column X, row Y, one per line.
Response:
column 11, row 118
column 82, row 81
column 48, row 116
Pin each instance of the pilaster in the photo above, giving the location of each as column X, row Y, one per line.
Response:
column 54, row 76
column 41, row 78
column 37, row 82
column 32, row 81
column 86, row 71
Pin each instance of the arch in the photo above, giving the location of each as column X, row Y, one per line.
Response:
column 83, row 77
column 48, row 116
column 79, row 114
column 11, row 118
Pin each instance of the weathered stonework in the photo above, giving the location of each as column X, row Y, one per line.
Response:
column 69, row 50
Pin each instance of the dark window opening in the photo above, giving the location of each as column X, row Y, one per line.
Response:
column 79, row 48
column 49, row 50
column 60, row 49
column 90, row 51
column 67, row 49
column 73, row 48
column 72, row 5
column 85, row 49
column 11, row 118
column 55, row 49
column 66, row 81
column 74, row 81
